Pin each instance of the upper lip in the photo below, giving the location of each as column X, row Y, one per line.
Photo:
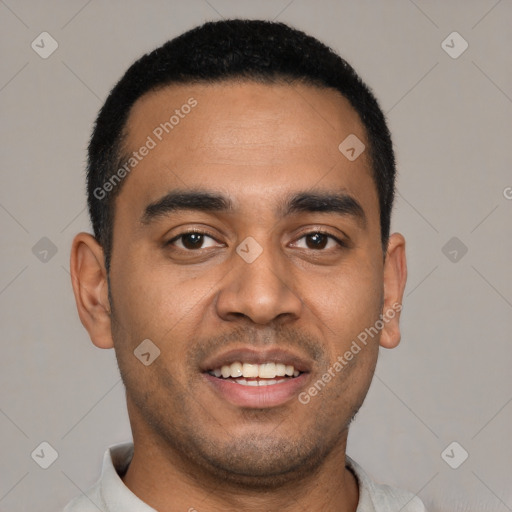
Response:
column 253, row 356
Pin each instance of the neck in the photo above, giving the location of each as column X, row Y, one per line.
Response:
column 165, row 481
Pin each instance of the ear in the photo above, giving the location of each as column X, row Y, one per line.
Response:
column 395, row 277
column 90, row 286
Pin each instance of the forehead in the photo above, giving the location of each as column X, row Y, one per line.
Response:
column 257, row 138
column 240, row 113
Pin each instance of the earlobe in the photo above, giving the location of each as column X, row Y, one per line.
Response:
column 90, row 287
column 395, row 278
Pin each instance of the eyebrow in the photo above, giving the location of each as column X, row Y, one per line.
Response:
column 340, row 203
column 178, row 200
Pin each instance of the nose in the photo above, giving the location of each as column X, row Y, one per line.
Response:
column 261, row 290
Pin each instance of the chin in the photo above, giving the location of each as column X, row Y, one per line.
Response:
column 260, row 462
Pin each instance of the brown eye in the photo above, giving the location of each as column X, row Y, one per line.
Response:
column 192, row 241
column 318, row 241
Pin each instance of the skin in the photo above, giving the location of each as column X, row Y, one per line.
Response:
column 256, row 144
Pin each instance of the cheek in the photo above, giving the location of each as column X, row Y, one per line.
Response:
column 347, row 301
column 159, row 302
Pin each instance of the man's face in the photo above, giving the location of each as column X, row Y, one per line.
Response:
column 204, row 300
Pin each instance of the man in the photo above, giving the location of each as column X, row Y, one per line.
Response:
column 240, row 182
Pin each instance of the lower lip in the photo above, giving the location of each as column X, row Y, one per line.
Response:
column 257, row 397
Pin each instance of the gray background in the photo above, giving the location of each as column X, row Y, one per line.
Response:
column 450, row 378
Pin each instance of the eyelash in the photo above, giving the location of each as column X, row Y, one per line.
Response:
column 341, row 243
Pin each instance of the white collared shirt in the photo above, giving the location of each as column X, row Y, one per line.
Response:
column 110, row 494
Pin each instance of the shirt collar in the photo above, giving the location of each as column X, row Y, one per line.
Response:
column 115, row 494
column 365, row 485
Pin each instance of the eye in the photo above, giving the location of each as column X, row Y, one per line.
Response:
column 319, row 240
column 192, row 240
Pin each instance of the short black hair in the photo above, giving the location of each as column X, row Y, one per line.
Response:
column 236, row 49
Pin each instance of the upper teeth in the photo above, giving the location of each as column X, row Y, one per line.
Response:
column 263, row 371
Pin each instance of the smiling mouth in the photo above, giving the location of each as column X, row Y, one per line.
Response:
column 250, row 374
